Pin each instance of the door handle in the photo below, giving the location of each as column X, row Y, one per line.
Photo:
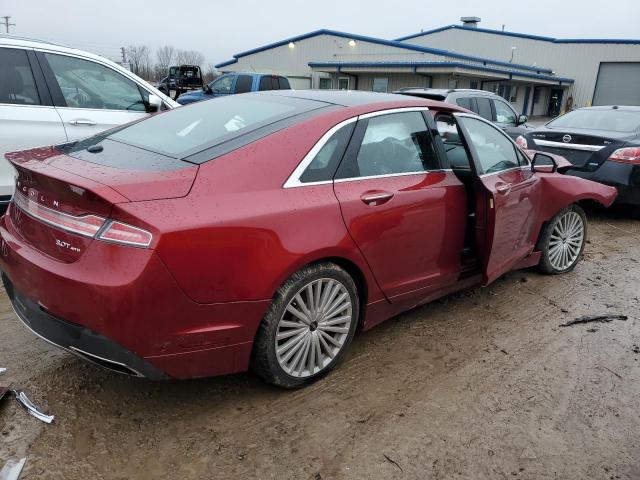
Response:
column 503, row 188
column 82, row 121
column 376, row 198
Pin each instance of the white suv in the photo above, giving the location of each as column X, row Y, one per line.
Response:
column 51, row 94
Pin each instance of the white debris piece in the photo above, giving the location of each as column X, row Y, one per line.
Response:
column 12, row 469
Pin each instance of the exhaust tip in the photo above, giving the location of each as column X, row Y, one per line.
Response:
column 106, row 363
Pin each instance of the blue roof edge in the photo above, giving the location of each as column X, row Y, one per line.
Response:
column 521, row 35
column 442, row 64
column 391, row 43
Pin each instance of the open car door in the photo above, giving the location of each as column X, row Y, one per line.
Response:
column 507, row 197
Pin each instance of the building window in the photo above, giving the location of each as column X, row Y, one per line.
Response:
column 343, row 83
column 326, row 83
column 381, row 85
column 473, row 85
column 452, row 83
column 513, row 96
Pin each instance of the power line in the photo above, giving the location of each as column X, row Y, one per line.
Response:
column 7, row 24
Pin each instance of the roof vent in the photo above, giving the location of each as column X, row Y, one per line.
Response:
column 470, row 21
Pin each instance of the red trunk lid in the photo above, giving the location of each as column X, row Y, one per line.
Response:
column 50, row 182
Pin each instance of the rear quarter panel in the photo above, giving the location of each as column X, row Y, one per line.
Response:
column 239, row 235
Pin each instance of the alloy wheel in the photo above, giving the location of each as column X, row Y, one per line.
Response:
column 314, row 327
column 565, row 243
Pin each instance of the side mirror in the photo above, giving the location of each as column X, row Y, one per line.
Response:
column 207, row 89
column 543, row 163
column 155, row 103
column 522, row 119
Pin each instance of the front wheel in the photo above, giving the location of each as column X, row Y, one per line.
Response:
column 308, row 326
column 562, row 241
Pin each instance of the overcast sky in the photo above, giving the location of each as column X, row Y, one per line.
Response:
column 221, row 28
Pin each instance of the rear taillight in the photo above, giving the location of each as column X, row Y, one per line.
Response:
column 626, row 155
column 85, row 225
column 119, row 232
column 521, row 141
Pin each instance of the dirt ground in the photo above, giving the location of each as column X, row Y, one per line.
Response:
column 482, row 384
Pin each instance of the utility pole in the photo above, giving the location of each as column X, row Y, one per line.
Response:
column 7, row 24
column 124, row 57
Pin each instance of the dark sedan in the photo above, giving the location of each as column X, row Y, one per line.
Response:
column 603, row 144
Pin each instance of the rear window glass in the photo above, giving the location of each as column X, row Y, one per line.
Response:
column 614, row 120
column 187, row 130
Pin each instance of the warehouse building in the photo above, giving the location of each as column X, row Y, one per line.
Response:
column 538, row 75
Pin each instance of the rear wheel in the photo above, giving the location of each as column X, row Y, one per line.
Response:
column 308, row 326
column 562, row 241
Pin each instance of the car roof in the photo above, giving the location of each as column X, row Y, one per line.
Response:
column 442, row 92
column 348, row 98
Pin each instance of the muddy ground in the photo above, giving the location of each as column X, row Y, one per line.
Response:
column 482, row 384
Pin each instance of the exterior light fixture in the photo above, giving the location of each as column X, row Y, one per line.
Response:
column 292, row 45
column 352, row 43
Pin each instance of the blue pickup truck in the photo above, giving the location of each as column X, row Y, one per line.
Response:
column 232, row 83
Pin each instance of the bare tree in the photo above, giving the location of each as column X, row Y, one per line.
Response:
column 165, row 56
column 189, row 57
column 139, row 59
column 209, row 72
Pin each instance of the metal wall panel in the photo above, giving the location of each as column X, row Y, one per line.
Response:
column 579, row 61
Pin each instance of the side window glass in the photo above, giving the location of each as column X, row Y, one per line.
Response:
column 268, row 83
column 504, row 114
column 284, row 83
column 243, row 83
column 324, row 164
column 464, row 102
column 17, row 85
column 452, row 142
column 484, row 108
column 396, row 143
column 87, row 84
column 222, row 85
column 494, row 150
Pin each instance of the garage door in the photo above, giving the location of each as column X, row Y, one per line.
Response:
column 618, row 84
column 300, row 83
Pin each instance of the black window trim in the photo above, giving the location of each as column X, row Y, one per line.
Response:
column 36, row 74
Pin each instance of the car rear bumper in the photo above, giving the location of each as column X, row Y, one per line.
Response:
column 625, row 177
column 120, row 307
column 77, row 339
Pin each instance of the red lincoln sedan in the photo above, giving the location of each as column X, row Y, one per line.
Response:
column 264, row 230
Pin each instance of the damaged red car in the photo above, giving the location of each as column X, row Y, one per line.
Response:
column 265, row 230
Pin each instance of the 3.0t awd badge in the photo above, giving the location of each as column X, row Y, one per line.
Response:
column 67, row 245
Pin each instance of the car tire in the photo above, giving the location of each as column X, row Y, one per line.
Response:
column 562, row 241
column 328, row 295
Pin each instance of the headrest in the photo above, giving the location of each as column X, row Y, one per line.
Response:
column 10, row 81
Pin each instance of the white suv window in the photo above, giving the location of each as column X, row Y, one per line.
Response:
column 87, row 84
column 17, row 86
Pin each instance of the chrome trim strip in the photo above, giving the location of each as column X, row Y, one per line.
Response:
column 521, row 167
column 392, row 110
column 102, row 359
column 389, row 175
column 294, row 178
column 20, row 197
column 572, row 146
